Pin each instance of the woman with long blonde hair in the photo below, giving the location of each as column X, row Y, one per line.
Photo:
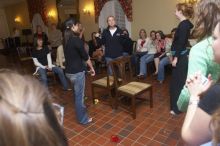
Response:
column 26, row 114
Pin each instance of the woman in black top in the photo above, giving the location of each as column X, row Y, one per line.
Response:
column 179, row 52
column 95, row 51
column 75, row 57
column 128, row 45
column 95, row 48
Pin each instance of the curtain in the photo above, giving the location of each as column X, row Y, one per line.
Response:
column 37, row 6
column 126, row 6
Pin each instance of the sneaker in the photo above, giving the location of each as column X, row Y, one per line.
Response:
column 90, row 120
column 140, row 76
column 173, row 113
column 69, row 89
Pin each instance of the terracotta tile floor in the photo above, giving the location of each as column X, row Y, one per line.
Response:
column 152, row 127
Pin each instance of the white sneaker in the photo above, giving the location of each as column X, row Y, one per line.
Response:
column 173, row 113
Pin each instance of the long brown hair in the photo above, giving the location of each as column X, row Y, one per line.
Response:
column 26, row 117
column 208, row 12
column 145, row 33
column 215, row 126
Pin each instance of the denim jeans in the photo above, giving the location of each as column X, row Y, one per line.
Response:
column 78, row 83
column 143, row 61
column 135, row 61
column 43, row 76
column 163, row 62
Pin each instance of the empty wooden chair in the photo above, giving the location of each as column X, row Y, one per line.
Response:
column 129, row 88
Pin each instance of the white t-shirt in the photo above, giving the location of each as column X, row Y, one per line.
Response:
column 112, row 31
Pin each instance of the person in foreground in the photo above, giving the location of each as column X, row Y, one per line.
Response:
column 201, row 55
column 27, row 117
column 76, row 56
column 202, row 104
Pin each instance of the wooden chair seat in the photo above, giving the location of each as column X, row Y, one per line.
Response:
column 134, row 88
column 103, row 81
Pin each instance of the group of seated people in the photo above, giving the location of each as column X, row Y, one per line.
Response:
column 155, row 48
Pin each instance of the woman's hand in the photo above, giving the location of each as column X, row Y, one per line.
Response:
column 174, row 62
column 92, row 72
column 97, row 35
column 196, row 86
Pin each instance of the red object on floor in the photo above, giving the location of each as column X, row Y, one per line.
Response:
column 115, row 138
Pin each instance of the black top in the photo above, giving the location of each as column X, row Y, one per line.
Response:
column 75, row 55
column 181, row 37
column 211, row 100
column 128, row 46
column 93, row 47
column 41, row 55
column 113, row 44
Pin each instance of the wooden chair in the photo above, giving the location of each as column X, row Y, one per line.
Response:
column 105, row 83
column 121, row 68
column 24, row 53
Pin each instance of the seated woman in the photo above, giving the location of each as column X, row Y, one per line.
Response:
column 141, row 49
column 167, row 59
column 95, row 51
column 149, row 56
column 27, row 117
column 161, row 49
column 60, row 59
column 202, row 104
column 128, row 45
column 42, row 60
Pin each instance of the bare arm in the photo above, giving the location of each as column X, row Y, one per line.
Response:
column 195, row 130
column 89, row 63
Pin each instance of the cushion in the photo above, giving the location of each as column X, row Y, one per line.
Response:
column 103, row 81
column 134, row 88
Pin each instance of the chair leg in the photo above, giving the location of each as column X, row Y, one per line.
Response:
column 133, row 107
column 151, row 97
column 116, row 100
column 93, row 94
column 113, row 98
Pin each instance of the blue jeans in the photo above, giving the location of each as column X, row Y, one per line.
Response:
column 78, row 82
column 163, row 62
column 43, row 76
column 125, row 54
column 143, row 61
column 135, row 60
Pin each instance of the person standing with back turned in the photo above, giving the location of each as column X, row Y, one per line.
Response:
column 179, row 52
column 76, row 56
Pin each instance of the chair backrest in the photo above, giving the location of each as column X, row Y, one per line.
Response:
column 122, row 71
column 24, row 53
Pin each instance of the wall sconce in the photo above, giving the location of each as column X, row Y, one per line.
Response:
column 18, row 19
column 191, row 1
column 51, row 14
column 86, row 11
